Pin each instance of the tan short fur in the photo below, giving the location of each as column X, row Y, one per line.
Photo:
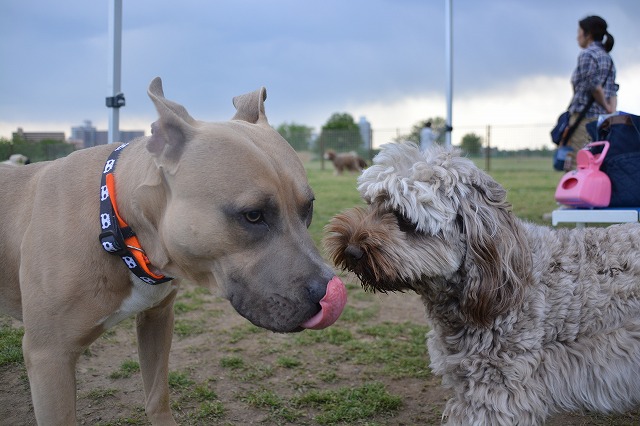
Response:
column 225, row 205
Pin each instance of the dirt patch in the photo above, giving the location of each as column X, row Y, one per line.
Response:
column 228, row 372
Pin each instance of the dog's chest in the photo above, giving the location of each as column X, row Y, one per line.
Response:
column 143, row 296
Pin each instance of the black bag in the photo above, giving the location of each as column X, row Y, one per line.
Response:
column 622, row 163
column 560, row 156
column 558, row 131
column 561, row 134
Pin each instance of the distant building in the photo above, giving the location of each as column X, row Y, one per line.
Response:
column 365, row 132
column 129, row 135
column 35, row 137
column 86, row 136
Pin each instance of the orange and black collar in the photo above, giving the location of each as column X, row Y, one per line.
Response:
column 117, row 237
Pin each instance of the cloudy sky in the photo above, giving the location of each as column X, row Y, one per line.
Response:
column 382, row 59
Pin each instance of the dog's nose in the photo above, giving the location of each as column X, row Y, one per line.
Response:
column 317, row 289
column 354, row 252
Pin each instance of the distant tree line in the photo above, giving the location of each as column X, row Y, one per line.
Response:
column 36, row 151
column 342, row 134
column 299, row 136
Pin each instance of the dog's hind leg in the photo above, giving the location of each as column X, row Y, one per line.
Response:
column 155, row 330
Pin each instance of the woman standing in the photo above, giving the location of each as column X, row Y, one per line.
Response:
column 594, row 77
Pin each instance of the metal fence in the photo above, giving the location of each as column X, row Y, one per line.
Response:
column 515, row 137
column 496, row 139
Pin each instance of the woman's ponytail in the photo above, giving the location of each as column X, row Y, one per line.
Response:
column 608, row 42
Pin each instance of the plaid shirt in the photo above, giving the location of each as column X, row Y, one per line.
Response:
column 592, row 69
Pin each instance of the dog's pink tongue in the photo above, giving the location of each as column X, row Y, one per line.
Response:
column 331, row 305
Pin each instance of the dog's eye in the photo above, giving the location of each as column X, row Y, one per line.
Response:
column 404, row 223
column 309, row 214
column 254, row 216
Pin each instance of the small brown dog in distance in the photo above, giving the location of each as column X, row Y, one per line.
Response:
column 342, row 161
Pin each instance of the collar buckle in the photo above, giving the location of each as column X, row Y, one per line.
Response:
column 113, row 242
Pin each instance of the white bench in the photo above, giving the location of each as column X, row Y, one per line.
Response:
column 583, row 216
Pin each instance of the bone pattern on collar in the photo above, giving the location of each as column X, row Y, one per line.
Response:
column 116, row 236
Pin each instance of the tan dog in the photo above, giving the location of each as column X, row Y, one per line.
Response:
column 225, row 205
column 349, row 161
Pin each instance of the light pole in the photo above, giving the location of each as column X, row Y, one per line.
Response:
column 448, row 6
column 116, row 98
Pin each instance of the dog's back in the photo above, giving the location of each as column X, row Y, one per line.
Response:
column 50, row 183
column 16, row 188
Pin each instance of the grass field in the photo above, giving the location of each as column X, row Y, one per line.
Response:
column 370, row 368
column 531, row 183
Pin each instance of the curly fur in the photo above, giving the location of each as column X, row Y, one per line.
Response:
column 526, row 320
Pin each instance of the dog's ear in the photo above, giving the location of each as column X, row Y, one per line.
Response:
column 250, row 107
column 498, row 259
column 173, row 129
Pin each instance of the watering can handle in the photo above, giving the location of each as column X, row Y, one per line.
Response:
column 600, row 157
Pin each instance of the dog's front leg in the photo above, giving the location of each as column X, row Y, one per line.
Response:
column 51, row 370
column 155, row 330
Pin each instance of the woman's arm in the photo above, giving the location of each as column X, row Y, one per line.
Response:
column 609, row 104
column 613, row 103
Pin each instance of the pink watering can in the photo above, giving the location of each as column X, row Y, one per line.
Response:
column 587, row 186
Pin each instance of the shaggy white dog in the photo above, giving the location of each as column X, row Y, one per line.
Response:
column 17, row 160
column 526, row 320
